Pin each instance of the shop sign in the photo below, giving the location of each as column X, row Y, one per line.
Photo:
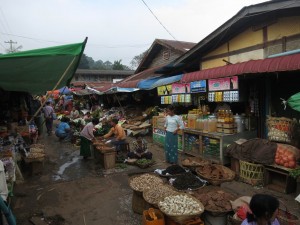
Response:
column 178, row 88
column 198, row 86
column 159, row 131
column 166, row 100
column 227, row 83
column 164, row 90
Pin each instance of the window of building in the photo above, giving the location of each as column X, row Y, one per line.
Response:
column 166, row 55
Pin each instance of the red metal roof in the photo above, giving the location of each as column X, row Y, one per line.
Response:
column 277, row 64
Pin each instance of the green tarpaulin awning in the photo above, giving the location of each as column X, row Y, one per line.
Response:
column 40, row 70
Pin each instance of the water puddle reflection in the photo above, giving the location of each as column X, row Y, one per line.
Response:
column 63, row 167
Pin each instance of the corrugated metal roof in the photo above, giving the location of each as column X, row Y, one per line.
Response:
column 132, row 81
column 283, row 63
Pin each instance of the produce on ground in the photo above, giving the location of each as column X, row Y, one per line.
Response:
column 157, row 193
column 212, row 171
column 187, row 181
column 144, row 161
column 144, row 182
column 180, row 204
column 217, row 201
column 173, row 170
column 194, row 161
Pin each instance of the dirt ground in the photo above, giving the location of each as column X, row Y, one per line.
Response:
column 71, row 190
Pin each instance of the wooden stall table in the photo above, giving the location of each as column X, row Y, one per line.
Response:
column 106, row 156
column 36, row 165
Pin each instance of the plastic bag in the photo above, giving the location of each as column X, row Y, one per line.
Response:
column 294, row 102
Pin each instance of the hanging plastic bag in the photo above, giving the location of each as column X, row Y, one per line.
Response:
column 293, row 102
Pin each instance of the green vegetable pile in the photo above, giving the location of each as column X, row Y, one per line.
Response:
column 295, row 173
column 144, row 161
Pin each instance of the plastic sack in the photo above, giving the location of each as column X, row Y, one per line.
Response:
column 286, row 155
column 294, row 102
column 239, row 202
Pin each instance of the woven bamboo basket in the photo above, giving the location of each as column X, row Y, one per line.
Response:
column 158, row 193
column 184, row 217
column 280, row 129
column 144, row 181
column 215, row 181
column 251, row 173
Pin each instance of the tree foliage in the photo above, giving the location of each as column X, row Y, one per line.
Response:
column 87, row 62
column 135, row 62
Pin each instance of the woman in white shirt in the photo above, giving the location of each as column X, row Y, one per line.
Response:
column 173, row 124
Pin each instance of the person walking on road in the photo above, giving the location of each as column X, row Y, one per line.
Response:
column 48, row 114
column 173, row 124
column 86, row 138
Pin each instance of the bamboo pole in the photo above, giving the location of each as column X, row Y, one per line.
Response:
column 54, row 88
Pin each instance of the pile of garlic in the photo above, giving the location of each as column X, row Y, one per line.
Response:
column 180, row 204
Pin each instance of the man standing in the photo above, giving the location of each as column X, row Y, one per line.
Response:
column 48, row 114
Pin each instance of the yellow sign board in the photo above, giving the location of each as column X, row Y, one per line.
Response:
column 164, row 90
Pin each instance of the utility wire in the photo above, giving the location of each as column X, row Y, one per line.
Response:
column 98, row 45
column 158, row 20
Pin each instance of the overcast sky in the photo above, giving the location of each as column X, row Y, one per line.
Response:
column 116, row 29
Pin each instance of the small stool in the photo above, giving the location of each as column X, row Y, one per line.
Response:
column 123, row 147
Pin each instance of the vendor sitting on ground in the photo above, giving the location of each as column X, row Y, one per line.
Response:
column 140, row 149
column 63, row 130
column 74, row 113
column 87, row 117
column 118, row 133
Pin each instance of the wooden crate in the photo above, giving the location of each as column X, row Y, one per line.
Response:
column 278, row 179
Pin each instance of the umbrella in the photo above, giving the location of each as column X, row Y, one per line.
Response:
column 64, row 90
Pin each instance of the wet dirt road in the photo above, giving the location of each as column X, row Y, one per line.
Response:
column 71, row 190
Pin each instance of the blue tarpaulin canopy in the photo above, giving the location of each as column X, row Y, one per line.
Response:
column 147, row 84
column 166, row 81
